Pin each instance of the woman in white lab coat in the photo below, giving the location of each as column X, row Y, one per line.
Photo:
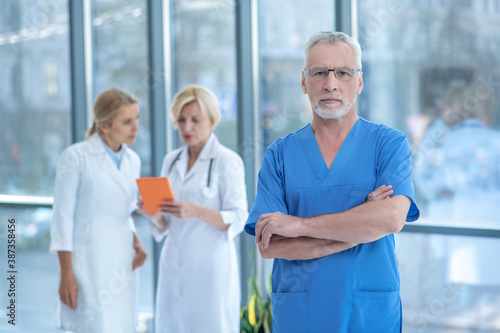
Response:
column 198, row 284
column 92, row 230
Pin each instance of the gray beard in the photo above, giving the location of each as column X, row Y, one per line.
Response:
column 330, row 114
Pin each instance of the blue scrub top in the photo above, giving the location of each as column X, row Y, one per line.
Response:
column 356, row 290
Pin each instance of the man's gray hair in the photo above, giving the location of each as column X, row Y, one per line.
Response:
column 332, row 37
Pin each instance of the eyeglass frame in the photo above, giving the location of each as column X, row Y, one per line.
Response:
column 334, row 70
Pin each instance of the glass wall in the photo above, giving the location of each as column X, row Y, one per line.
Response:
column 204, row 53
column 430, row 70
column 34, row 94
column 35, row 128
column 120, row 59
column 284, row 27
column 37, row 271
column 448, row 284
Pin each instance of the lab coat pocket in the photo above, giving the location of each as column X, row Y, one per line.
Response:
column 290, row 312
column 375, row 312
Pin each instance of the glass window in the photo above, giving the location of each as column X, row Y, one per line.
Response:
column 34, row 94
column 35, row 103
column 204, row 53
column 430, row 70
column 120, row 59
column 448, row 284
column 36, row 277
column 284, row 27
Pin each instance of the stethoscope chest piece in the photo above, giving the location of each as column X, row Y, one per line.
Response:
column 208, row 192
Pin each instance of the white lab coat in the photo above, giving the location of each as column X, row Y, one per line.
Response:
column 198, row 284
column 93, row 201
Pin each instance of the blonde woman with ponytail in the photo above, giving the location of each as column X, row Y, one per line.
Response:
column 92, row 230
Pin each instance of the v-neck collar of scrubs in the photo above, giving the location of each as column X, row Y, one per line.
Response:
column 316, row 161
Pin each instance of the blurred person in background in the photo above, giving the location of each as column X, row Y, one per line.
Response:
column 198, row 283
column 459, row 174
column 92, row 230
column 469, row 174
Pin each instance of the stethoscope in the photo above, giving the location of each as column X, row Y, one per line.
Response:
column 208, row 192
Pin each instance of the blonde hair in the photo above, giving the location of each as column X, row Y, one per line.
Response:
column 106, row 107
column 206, row 99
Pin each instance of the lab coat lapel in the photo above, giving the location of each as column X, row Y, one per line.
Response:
column 107, row 164
column 209, row 151
column 125, row 173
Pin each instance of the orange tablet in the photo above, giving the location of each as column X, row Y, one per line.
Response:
column 153, row 190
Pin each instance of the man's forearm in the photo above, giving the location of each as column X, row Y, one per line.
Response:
column 362, row 224
column 302, row 248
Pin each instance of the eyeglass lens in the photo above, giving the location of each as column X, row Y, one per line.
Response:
column 340, row 73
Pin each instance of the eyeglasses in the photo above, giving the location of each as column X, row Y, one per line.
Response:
column 341, row 73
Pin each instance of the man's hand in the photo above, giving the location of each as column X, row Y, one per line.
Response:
column 276, row 224
column 290, row 226
column 380, row 193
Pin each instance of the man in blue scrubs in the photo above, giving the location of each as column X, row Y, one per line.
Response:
column 335, row 268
